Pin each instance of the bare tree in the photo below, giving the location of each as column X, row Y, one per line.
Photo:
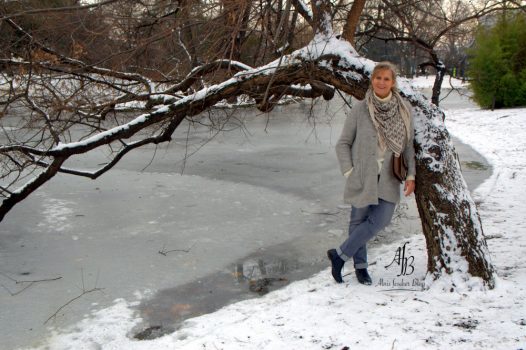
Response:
column 427, row 25
column 57, row 108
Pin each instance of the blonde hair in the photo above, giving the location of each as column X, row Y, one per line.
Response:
column 385, row 65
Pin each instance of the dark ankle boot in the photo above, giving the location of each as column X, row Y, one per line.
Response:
column 363, row 277
column 337, row 265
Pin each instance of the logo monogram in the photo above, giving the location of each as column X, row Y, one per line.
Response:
column 403, row 261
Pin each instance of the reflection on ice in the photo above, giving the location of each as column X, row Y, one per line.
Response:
column 249, row 277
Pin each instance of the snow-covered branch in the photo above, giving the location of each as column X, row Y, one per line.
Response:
column 304, row 10
column 323, row 65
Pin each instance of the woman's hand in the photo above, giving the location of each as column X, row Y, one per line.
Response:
column 409, row 187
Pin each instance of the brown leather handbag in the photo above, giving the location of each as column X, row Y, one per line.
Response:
column 399, row 167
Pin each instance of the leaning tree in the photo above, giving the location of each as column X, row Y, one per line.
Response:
column 66, row 109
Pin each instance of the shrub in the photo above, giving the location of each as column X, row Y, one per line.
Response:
column 497, row 65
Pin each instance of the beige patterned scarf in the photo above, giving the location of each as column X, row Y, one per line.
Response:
column 391, row 120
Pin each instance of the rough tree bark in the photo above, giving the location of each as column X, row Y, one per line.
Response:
column 440, row 70
column 437, row 85
column 353, row 19
column 457, row 252
column 456, row 246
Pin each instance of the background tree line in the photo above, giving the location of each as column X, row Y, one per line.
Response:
column 166, row 39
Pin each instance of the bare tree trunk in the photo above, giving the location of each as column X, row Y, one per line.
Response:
column 188, row 37
column 236, row 18
column 456, row 246
column 437, row 85
column 353, row 18
column 440, row 69
column 292, row 26
column 321, row 16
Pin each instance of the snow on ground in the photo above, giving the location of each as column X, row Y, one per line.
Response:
column 394, row 313
column 423, row 81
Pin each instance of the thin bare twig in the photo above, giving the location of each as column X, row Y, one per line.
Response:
column 30, row 283
column 321, row 213
column 165, row 252
column 42, row 280
column 72, row 300
column 84, row 292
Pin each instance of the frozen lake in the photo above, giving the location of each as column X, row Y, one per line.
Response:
column 184, row 227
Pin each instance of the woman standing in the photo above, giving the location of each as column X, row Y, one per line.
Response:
column 376, row 128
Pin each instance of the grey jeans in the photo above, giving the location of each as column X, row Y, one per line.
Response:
column 365, row 223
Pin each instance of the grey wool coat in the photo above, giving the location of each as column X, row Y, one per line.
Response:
column 357, row 149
